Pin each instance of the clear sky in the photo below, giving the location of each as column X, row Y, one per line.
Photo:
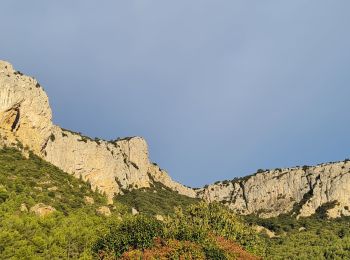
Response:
column 218, row 88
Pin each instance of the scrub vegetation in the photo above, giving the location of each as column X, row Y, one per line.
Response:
column 77, row 231
column 314, row 237
column 190, row 229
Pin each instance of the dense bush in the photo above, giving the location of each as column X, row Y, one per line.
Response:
column 213, row 252
column 137, row 232
column 197, row 232
column 170, row 249
column 200, row 221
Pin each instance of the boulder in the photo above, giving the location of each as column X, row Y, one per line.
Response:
column 89, row 200
column 134, row 211
column 42, row 210
column 104, row 211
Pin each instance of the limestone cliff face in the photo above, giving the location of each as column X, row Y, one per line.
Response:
column 25, row 114
column 111, row 167
column 123, row 164
column 300, row 191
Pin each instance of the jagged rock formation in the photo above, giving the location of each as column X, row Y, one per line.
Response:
column 26, row 121
column 300, row 191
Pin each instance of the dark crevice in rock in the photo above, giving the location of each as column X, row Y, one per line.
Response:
column 16, row 121
column 241, row 184
column 44, row 146
column 308, row 195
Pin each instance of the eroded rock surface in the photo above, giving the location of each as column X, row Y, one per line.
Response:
column 110, row 166
column 25, row 114
column 300, row 191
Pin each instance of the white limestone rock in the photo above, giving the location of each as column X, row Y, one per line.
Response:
column 110, row 167
column 274, row 192
column 104, row 211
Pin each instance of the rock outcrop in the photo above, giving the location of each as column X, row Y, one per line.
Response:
column 110, row 166
column 42, row 210
column 301, row 191
column 104, row 211
column 25, row 114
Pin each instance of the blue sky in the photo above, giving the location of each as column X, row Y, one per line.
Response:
column 218, row 88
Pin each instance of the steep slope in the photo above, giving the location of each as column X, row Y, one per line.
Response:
column 156, row 200
column 31, row 181
column 299, row 190
column 314, row 237
column 26, row 121
column 46, row 213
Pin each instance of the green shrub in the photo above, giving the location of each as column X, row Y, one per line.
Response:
column 3, row 196
column 136, row 232
column 197, row 222
column 213, row 252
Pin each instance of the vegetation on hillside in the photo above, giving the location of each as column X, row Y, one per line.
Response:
column 68, row 233
column 307, row 238
column 157, row 199
column 77, row 231
column 193, row 230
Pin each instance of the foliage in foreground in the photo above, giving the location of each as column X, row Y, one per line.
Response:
column 193, row 232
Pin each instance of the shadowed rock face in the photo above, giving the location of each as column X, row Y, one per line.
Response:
column 301, row 191
column 26, row 120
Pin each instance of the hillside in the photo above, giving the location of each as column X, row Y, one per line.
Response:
column 79, row 230
column 46, row 213
column 66, row 224
column 313, row 237
column 156, row 200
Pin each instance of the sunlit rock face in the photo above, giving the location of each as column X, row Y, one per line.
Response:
column 115, row 166
column 300, row 191
column 110, row 167
column 25, row 114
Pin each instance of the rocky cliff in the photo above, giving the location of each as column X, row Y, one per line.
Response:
column 300, row 191
column 123, row 164
column 110, row 166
